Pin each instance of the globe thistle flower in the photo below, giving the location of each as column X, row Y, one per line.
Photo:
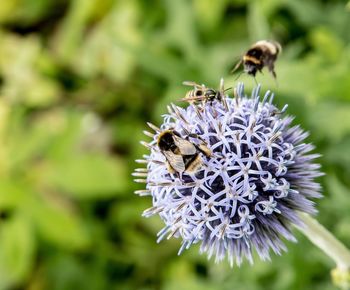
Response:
column 248, row 192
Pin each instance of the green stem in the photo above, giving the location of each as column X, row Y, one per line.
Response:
column 332, row 247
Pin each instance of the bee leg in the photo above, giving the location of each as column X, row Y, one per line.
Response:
column 196, row 136
column 176, row 133
column 274, row 76
column 215, row 114
column 224, row 103
column 273, row 73
column 204, row 149
column 242, row 72
column 272, row 70
column 178, row 175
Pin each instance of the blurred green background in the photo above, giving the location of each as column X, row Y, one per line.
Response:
column 78, row 81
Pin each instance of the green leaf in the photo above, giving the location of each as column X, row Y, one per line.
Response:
column 339, row 153
column 17, row 251
column 22, row 80
column 89, row 176
column 331, row 120
column 12, row 194
column 258, row 25
column 338, row 194
column 71, row 30
column 208, row 13
column 327, row 43
column 103, row 51
column 59, row 225
column 181, row 31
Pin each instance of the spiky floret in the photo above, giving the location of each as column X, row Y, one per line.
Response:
column 248, row 192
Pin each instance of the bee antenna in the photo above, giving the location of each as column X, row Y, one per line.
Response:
column 255, row 80
column 222, row 86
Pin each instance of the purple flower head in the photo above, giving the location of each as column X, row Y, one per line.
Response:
column 247, row 193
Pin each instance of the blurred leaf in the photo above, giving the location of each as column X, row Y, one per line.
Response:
column 325, row 42
column 6, row 9
column 338, row 195
column 13, row 194
column 71, row 30
column 337, row 205
column 22, row 81
column 209, row 15
column 69, row 131
column 4, row 120
column 180, row 31
column 181, row 275
column 104, row 50
column 160, row 63
column 89, row 176
column 72, row 274
column 258, row 26
column 331, row 120
column 308, row 13
column 26, row 144
column 58, row 225
column 339, row 153
column 342, row 230
column 17, row 251
column 23, row 11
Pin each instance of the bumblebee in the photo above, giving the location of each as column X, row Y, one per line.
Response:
column 262, row 53
column 202, row 94
column 181, row 155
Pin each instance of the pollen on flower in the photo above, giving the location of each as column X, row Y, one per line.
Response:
column 245, row 195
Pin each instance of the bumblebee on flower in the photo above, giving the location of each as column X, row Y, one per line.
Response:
column 245, row 194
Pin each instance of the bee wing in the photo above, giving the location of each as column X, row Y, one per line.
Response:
column 185, row 147
column 191, row 84
column 271, row 45
column 279, row 46
column 175, row 161
column 192, row 99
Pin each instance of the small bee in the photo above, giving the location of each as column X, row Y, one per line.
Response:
column 262, row 53
column 181, row 154
column 201, row 93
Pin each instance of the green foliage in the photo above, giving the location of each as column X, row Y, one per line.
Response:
column 78, row 81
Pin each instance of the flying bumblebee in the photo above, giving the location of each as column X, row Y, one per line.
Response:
column 202, row 94
column 181, row 154
column 262, row 53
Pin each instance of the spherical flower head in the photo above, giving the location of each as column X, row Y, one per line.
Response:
column 247, row 193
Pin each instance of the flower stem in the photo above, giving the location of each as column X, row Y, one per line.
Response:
column 332, row 247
